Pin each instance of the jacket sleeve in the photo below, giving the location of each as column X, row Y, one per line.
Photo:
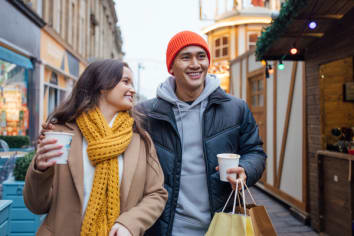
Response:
column 251, row 150
column 141, row 217
column 37, row 192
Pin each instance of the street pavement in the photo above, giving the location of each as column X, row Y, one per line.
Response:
column 284, row 222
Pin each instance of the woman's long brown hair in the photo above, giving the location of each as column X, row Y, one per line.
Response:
column 98, row 76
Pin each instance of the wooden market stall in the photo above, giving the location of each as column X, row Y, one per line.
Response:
column 278, row 104
column 322, row 31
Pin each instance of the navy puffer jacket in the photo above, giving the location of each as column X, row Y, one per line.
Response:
column 228, row 127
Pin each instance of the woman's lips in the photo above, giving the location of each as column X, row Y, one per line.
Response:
column 129, row 97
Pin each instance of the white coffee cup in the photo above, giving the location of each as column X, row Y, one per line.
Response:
column 63, row 139
column 227, row 161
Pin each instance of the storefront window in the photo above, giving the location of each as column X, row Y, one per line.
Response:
column 13, row 99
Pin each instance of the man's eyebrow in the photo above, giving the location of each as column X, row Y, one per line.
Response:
column 185, row 54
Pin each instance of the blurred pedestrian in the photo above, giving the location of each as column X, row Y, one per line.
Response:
column 191, row 121
column 113, row 183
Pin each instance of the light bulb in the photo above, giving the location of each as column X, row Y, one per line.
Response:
column 281, row 65
column 313, row 25
column 293, row 51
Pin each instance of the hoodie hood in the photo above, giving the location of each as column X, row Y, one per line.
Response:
column 166, row 91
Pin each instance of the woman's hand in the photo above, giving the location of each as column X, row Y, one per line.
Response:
column 119, row 230
column 45, row 127
column 47, row 150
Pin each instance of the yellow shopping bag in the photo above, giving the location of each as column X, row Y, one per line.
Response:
column 231, row 224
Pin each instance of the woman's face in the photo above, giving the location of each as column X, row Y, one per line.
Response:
column 121, row 96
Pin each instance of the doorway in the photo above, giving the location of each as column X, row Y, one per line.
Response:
column 256, row 100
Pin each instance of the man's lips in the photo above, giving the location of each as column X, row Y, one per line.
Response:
column 194, row 75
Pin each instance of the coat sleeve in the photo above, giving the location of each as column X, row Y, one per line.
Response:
column 141, row 217
column 37, row 192
column 251, row 150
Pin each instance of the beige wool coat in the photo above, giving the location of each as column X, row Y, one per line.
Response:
column 59, row 191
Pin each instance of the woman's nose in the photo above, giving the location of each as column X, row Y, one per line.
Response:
column 132, row 90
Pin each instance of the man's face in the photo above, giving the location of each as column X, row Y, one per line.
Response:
column 190, row 68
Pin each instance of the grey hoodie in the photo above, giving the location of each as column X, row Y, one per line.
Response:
column 193, row 210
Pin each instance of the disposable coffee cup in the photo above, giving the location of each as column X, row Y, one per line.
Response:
column 63, row 139
column 227, row 161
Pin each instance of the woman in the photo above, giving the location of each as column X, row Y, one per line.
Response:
column 96, row 194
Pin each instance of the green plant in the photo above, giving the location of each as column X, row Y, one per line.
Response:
column 21, row 166
column 290, row 9
column 16, row 141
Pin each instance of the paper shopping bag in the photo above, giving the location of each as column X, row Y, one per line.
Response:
column 261, row 222
column 230, row 225
column 250, row 220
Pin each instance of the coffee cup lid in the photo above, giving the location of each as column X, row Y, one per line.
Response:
column 58, row 133
column 228, row 155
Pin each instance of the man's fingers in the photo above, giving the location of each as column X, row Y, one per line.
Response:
column 233, row 182
column 217, row 168
column 237, row 170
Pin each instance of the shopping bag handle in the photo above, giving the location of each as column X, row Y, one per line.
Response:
column 235, row 199
column 249, row 192
column 223, row 209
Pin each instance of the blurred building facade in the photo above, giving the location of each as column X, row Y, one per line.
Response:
column 66, row 36
column 237, row 25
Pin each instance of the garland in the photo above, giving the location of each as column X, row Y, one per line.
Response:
column 270, row 34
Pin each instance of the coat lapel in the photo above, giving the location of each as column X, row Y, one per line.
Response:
column 75, row 162
column 131, row 156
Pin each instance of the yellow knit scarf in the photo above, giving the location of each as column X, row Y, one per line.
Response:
column 105, row 144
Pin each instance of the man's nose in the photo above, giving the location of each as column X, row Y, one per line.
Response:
column 195, row 63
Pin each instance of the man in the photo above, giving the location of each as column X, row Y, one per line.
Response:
column 191, row 121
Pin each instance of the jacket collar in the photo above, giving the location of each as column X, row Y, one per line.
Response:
column 130, row 160
column 218, row 97
column 163, row 107
column 75, row 161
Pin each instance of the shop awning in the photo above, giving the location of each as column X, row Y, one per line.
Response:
column 292, row 29
column 14, row 58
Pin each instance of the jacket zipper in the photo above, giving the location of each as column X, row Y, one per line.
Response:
column 206, row 163
column 174, row 203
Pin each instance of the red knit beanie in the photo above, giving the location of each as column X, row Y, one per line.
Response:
column 182, row 40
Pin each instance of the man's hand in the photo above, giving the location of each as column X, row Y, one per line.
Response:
column 241, row 175
column 119, row 230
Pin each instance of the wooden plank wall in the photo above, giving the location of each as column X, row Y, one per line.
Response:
column 336, row 44
column 335, row 112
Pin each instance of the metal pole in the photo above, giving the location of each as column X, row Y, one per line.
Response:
column 140, row 67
